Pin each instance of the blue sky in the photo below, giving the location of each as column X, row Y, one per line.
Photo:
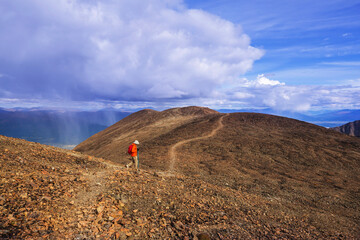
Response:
column 312, row 37
column 296, row 55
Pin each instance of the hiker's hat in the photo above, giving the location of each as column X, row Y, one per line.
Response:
column 136, row 142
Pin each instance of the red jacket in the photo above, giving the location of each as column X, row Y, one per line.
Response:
column 134, row 150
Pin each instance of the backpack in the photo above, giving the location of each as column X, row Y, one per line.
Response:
column 130, row 149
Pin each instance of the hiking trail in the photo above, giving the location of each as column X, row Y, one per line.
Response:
column 172, row 151
column 96, row 183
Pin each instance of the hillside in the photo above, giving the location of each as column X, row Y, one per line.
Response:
column 146, row 125
column 352, row 128
column 51, row 193
column 302, row 171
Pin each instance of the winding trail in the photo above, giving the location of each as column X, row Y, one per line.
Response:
column 97, row 177
column 172, row 151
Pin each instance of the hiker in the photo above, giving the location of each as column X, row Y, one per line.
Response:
column 133, row 151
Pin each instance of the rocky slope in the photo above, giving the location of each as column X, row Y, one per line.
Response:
column 51, row 193
column 300, row 171
column 352, row 128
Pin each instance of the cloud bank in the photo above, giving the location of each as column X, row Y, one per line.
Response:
column 130, row 50
column 264, row 92
column 131, row 54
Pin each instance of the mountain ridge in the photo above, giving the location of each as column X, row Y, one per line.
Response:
column 149, row 120
column 351, row 128
column 269, row 156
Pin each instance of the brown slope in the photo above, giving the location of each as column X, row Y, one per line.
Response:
column 304, row 170
column 351, row 128
column 50, row 193
column 144, row 125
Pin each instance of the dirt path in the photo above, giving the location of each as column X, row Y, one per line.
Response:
column 97, row 178
column 172, row 151
column 96, row 183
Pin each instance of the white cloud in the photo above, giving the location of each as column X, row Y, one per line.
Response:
column 152, row 53
column 264, row 92
column 120, row 50
column 243, row 95
column 287, row 98
column 355, row 83
column 279, row 97
column 164, row 91
column 261, row 81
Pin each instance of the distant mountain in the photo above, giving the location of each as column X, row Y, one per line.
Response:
column 352, row 128
column 341, row 115
column 68, row 128
column 288, row 114
column 57, row 128
column 326, row 119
